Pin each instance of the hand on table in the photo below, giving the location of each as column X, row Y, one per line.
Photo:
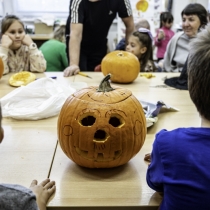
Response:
column 71, row 70
column 43, row 192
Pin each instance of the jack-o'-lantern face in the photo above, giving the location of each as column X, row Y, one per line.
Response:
column 101, row 130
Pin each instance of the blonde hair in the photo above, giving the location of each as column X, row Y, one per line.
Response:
column 143, row 23
column 59, row 33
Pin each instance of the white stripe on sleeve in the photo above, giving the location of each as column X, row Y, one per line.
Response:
column 74, row 11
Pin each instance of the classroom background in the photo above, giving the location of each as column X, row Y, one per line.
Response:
column 41, row 17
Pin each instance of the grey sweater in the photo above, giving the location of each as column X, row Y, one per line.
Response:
column 176, row 53
column 16, row 197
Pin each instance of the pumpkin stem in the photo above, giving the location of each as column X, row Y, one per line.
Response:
column 105, row 85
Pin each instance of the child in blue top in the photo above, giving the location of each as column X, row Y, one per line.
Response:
column 180, row 166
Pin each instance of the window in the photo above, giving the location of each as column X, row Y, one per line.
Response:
column 41, row 7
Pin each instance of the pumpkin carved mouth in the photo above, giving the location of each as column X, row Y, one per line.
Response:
column 100, row 153
column 98, row 157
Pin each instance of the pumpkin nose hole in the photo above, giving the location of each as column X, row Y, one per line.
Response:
column 88, row 121
column 100, row 135
column 116, row 121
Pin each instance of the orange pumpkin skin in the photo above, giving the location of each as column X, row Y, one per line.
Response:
column 1, row 68
column 123, row 66
column 101, row 130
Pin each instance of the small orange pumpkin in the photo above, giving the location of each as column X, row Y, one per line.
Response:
column 101, row 127
column 1, row 68
column 123, row 66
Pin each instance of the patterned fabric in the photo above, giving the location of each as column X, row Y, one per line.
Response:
column 23, row 59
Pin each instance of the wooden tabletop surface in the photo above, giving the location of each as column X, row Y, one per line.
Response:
column 27, row 151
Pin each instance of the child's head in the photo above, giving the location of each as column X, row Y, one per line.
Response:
column 12, row 26
column 166, row 19
column 59, row 33
column 1, row 129
column 140, row 44
column 143, row 23
column 199, row 72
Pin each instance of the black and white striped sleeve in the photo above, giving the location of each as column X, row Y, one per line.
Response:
column 125, row 9
column 76, row 11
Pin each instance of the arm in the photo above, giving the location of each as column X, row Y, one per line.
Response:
column 159, row 37
column 37, row 61
column 129, row 25
column 169, row 54
column 64, row 59
column 74, row 49
column 155, row 172
column 4, row 50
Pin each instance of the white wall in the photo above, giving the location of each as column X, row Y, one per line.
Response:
column 7, row 6
column 179, row 5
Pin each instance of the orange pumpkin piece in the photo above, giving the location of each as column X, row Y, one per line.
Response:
column 101, row 127
column 21, row 78
column 123, row 66
column 142, row 5
column 1, row 68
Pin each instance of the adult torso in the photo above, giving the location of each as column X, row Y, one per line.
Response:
column 96, row 18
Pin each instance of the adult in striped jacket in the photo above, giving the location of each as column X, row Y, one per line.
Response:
column 87, row 28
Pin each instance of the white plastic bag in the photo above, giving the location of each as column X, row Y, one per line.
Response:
column 40, row 99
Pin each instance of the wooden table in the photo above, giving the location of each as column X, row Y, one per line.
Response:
column 124, row 187
column 33, row 144
column 27, row 150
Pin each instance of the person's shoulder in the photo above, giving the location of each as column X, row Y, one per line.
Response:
column 15, row 188
column 17, row 197
column 121, row 2
column 178, row 34
column 176, row 37
column 170, row 135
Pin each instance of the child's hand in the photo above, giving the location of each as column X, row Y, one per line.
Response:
column 6, row 41
column 43, row 191
column 27, row 40
column 147, row 157
column 161, row 35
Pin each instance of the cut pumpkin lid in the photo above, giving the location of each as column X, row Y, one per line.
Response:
column 21, row 78
column 90, row 94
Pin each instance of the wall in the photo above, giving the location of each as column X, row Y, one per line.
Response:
column 178, row 6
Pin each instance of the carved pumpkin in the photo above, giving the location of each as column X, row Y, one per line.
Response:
column 1, row 68
column 101, row 127
column 123, row 66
